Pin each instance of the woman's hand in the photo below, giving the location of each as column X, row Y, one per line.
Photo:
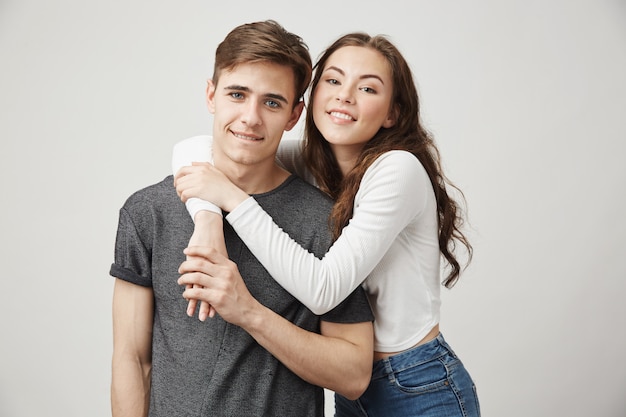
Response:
column 202, row 180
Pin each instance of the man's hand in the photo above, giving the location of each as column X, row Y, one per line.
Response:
column 212, row 278
column 339, row 359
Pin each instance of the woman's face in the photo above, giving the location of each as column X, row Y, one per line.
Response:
column 353, row 98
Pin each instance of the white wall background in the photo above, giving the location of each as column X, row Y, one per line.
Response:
column 527, row 100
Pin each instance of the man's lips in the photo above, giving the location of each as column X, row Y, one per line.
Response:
column 246, row 136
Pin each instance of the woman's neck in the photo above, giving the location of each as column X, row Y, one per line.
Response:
column 346, row 156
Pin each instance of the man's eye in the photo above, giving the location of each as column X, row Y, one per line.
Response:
column 236, row 95
column 273, row 104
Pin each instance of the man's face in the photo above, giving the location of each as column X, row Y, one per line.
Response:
column 252, row 104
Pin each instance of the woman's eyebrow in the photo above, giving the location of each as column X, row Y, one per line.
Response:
column 364, row 76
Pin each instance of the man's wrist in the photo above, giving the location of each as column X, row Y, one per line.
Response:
column 205, row 217
column 256, row 318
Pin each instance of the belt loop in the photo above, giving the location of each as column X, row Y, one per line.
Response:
column 389, row 370
column 446, row 346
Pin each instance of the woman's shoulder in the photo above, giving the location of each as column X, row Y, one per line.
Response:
column 396, row 172
column 396, row 179
column 398, row 161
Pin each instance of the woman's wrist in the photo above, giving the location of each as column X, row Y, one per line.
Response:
column 235, row 197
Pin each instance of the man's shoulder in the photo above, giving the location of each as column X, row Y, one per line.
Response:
column 152, row 195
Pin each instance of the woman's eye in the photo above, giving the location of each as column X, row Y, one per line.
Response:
column 368, row 90
column 332, row 81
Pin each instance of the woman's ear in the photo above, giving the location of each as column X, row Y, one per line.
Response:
column 392, row 117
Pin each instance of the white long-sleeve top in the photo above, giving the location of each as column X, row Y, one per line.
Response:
column 390, row 246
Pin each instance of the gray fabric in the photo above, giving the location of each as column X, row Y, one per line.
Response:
column 215, row 368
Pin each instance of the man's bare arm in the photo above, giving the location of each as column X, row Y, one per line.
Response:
column 339, row 359
column 133, row 312
column 208, row 231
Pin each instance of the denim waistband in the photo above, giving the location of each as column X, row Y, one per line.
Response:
column 412, row 357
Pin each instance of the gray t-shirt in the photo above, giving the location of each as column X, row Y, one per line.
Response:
column 213, row 367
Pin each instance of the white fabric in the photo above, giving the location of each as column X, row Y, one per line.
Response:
column 194, row 149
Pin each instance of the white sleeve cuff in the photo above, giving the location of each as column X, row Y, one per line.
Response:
column 194, row 205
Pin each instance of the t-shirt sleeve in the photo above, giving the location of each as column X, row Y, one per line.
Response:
column 388, row 199
column 354, row 309
column 132, row 256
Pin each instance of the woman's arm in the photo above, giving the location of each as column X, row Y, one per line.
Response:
column 389, row 198
column 192, row 173
column 392, row 193
column 186, row 152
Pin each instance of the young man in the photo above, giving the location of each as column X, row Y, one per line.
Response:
column 264, row 353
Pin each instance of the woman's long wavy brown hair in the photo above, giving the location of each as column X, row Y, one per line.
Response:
column 407, row 134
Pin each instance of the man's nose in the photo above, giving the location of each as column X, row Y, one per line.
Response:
column 251, row 115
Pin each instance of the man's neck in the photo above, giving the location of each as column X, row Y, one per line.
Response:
column 252, row 179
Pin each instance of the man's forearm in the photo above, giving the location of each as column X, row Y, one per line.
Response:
column 339, row 359
column 341, row 365
column 130, row 389
column 133, row 308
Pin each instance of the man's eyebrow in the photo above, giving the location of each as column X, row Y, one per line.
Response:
column 235, row 87
column 277, row 97
column 362, row 77
column 273, row 96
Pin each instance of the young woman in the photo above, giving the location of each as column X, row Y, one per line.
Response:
column 393, row 220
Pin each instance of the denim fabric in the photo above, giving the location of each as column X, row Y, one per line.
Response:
column 427, row 381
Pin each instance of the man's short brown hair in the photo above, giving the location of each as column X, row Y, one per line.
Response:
column 265, row 41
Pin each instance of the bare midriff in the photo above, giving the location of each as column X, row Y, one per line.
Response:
column 430, row 336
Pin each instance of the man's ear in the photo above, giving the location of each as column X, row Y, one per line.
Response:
column 295, row 116
column 392, row 117
column 210, row 96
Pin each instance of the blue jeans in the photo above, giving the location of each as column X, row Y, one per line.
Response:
column 427, row 381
